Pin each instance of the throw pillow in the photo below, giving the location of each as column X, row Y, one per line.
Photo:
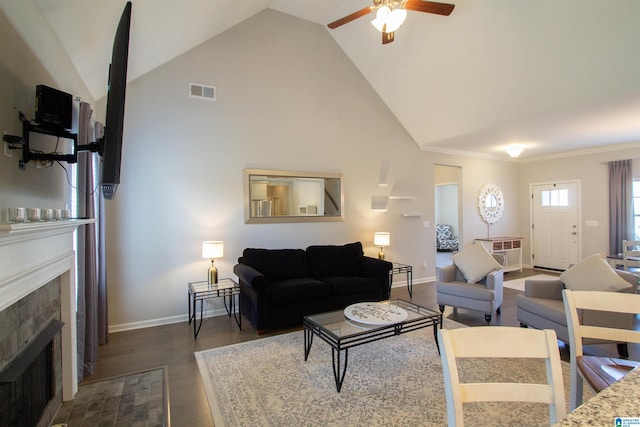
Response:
column 475, row 262
column 593, row 274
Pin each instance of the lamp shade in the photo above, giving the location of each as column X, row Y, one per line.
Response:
column 212, row 249
column 381, row 238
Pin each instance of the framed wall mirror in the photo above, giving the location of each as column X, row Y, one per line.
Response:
column 491, row 203
column 276, row 196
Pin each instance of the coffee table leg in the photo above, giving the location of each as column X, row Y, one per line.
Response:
column 308, row 341
column 338, row 374
column 435, row 333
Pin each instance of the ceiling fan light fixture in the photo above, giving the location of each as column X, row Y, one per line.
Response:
column 392, row 18
column 514, row 150
column 381, row 17
column 395, row 19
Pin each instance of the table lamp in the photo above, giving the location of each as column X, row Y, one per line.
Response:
column 212, row 249
column 381, row 238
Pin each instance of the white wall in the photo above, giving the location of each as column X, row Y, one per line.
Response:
column 447, row 205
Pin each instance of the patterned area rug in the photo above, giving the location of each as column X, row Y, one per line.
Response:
column 518, row 284
column 393, row 382
column 138, row 399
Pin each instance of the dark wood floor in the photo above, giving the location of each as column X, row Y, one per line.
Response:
column 173, row 346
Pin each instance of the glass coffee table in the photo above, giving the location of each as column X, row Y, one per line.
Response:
column 342, row 333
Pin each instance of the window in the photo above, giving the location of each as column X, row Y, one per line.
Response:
column 636, row 210
column 556, row 197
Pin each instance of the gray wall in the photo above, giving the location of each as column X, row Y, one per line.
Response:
column 591, row 170
column 21, row 70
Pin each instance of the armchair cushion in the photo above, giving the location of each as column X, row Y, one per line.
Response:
column 593, row 274
column 475, row 262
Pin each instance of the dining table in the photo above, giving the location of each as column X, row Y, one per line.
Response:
column 616, row 405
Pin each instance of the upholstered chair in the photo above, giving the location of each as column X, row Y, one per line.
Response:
column 445, row 239
column 473, row 281
column 541, row 305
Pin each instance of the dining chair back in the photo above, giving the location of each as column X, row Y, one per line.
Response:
column 490, row 342
column 599, row 372
column 631, row 255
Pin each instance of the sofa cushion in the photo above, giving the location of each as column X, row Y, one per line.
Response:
column 278, row 264
column 329, row 260
column 475, row 262
column 297, row 290
column 551, row 309
column 341, row 285
column 593, row 274
column 460, row 289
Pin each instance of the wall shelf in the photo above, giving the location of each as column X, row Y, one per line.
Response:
column 402, row 197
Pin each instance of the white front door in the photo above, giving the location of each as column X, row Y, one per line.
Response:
column 554, row 224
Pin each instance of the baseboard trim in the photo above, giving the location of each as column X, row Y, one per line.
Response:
column 217, row 312
column 162, row 321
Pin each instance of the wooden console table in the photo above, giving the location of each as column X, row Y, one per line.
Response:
column 511, row 247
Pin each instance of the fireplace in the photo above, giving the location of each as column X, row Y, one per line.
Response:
column 29, row 383
column 38, row 354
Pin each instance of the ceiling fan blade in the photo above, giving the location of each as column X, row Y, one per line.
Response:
column 429, row 7
column 387, row 37
column 351, row 17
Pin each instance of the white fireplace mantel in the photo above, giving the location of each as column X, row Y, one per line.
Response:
column 33, row 254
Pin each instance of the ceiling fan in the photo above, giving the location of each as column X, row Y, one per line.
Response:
column 390, row 14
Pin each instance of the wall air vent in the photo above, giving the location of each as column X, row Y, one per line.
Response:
column 197, row 90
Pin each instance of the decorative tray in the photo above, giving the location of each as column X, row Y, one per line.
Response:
column 375, row 313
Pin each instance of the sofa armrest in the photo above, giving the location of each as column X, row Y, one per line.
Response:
column 495, row 280
column 546, row 289
column 378, row 270
column 250, row 277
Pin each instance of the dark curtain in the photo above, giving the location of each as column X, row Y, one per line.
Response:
column 620, row 204
column 91, row 299
column 103, row 320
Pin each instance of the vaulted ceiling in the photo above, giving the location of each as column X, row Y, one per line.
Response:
column 556, row 76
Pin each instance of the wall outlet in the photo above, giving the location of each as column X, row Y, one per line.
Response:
column 424, row 264
column 426, row 224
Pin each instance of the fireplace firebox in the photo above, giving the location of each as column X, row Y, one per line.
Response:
column 27, row 382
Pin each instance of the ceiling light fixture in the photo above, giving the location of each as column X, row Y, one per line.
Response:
column 388, row 20
column 514, row 150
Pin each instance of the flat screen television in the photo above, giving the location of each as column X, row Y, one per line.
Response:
column 114, row 122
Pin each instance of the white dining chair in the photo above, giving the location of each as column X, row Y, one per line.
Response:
column 631, row 255
column 599, row 372
column 500, row 342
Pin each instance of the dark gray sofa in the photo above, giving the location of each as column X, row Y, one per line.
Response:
column 280, row 286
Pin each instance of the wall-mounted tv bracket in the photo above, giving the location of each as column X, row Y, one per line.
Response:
column 28, row 155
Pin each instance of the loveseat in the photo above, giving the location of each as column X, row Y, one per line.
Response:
column 280, row 286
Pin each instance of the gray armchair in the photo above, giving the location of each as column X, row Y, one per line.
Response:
column 485, row 295
column 541, row 307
